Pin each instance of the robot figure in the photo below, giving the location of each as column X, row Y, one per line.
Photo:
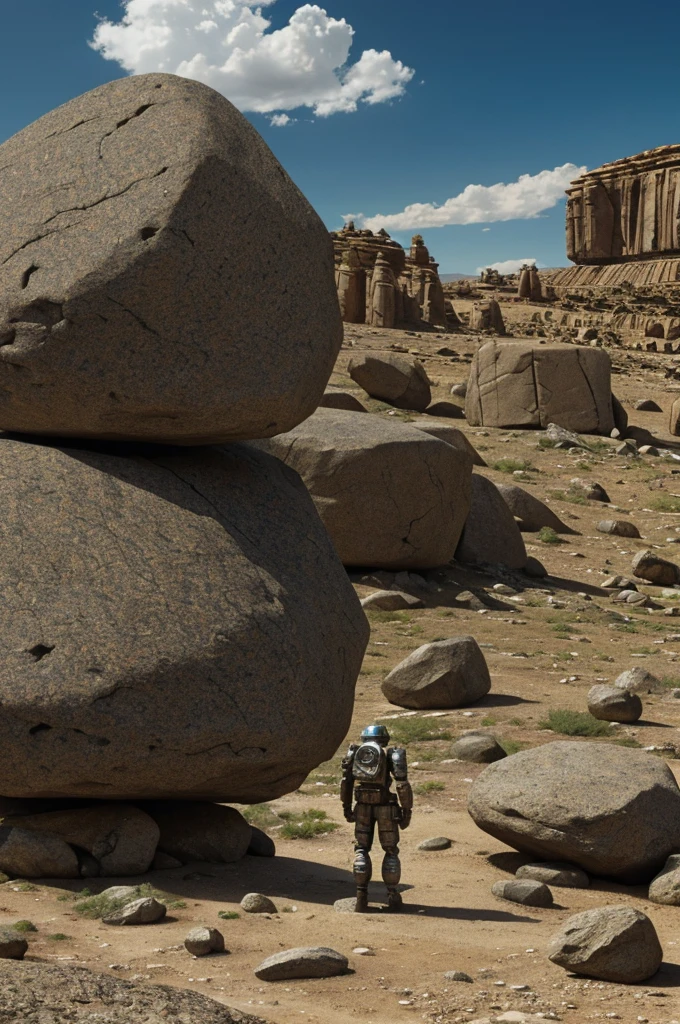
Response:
column 372, row 765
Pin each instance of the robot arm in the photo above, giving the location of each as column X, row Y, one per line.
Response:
column 347, row 784
column 404, row 791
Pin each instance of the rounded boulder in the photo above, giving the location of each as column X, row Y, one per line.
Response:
column 443, row 674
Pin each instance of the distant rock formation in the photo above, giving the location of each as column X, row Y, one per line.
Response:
column 380, row 284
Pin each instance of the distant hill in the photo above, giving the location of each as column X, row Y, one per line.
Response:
column 447, row 278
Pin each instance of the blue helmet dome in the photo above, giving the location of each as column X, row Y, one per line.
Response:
column 378, row 733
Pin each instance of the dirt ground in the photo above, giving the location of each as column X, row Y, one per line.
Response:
column 546, row 645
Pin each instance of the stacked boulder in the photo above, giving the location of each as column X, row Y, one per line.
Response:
column 172, row 616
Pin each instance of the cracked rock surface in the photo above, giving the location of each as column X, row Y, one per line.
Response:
column 161, row 277
column 390, row 496
column 172, row 626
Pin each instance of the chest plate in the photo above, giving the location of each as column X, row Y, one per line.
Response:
column 370, row 763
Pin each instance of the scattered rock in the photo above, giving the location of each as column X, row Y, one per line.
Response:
column 391, row 601
column 535, row 569
column 55, row 994
column 651, row 567
column 333, row 398
column 304, row 962
column 256, row 903
column 532, row 514
column 460, row 390
column 13, row 946
column 638, row 680
column 613, row 943
column 25, row 854
column 486, row 316
column 525, row 891
column 565, row 801
column 479, row 747
column 490, row 533
column 591, row 491
column 458, row 976
column 390, row 496
column 564, row 876
column 348, row 905
column 203, row 940
column 157, row 361
column 466, row 599
column 120, row 837
column 612, row 704
column 618, row 527
column 443, row 674
column 518, row 384
column 142, row 705
column 647, row 405
column 401, row 382
column 565, row 438
column 449, row 410
column 452, row 435
column 665, row 888
column 436, row 843
column 146, row 910
column 261, row 845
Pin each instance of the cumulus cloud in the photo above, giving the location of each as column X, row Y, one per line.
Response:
column 228, row 45
column 525, row 198
column 507, row 266
column 281, row 120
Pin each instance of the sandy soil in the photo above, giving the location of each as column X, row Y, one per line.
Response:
column 542, row 656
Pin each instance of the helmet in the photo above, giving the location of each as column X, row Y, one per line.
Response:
column 378, row 733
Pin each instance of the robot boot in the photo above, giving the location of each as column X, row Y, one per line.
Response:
column 363, row 870
column 391, row 872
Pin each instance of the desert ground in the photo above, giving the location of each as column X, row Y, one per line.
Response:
column 546, row 642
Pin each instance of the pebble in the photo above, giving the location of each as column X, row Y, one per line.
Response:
column 524, row 891
column 364, row 951
column 457, row 976
column 203, row 940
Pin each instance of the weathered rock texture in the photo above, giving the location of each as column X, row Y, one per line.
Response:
column 612, row 704
column 531, row 513
column 52, row 995
column 517, row 384
column 612, row 811
column 452, row 435
column 171, row 626
column 401, row 382
column 490, row 533
column 615, row 943
column 193, row 831
column 486, row 316
column 443, row 674
column 139, row 224
column 389, row 496
column 379, row 283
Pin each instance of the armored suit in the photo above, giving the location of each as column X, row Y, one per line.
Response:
column 371, row 766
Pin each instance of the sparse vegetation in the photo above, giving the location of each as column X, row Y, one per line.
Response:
column 572, row 495
column 99, row 906
column 424, row 788
column 575, row 723
column 24, row 926
column 228, row 915
column 665, row 503
column 512, row 466
column 306, row 824
column 547, row 535
column 511, row 746
column 58, row 937
column 260, row 815
column 416, row 730
column 488, row 721
column 377, row 616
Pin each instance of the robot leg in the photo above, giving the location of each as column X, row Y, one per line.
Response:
column 388, row 831
column 363, row 869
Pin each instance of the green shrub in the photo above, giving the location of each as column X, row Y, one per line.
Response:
column 665, row 503
column 374, row 615
column 573, row 495
column 511, row 746
column 547, row 535
column 24, row 926
column 511, row 465
column 423, row 788
column 260, row 815
column 415, row 730
column 96, row 907
column 307, row 824
column 228, row 915
column 575, row 723
column 58, row 937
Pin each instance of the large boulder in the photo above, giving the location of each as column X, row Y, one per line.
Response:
column 517, row 384
column 649, row 566
column 612, row 811
column 444, row 430
column 490, row 533
column 531, row 513
column 443, row 674
column 401, row 382
column 193, row 831
column 161, row 277
column 173, row 626
column 615, row 943
column 389, row 496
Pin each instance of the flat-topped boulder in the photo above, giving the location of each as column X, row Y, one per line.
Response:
column 161, row 277
column 517, row 384
column 390, row 496
column 170, row 626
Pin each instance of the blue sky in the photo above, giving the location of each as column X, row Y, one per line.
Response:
column 497, row 91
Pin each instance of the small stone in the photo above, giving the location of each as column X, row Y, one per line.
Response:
column 143, row 911
column 391, row 601
column 638, row 680
column 364, row 951
column 646, row 405
column 466, row 599
column 303, row 962
column 458, row 976
column 436, row 843
column 256, row 903
column 614, row 704
column 348, row 905
column 13, row 946
column 478, row 747
column 665, row 888
column 459, row 389
column 648, row 449
column 618, row 528
column 524, row 891
column 203, row 940
column 563, row 875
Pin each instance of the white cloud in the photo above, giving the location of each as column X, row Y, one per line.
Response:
column 507, row 266
column 525, row 198
column 281, row 120
column 227, row 44
column 486, row 229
